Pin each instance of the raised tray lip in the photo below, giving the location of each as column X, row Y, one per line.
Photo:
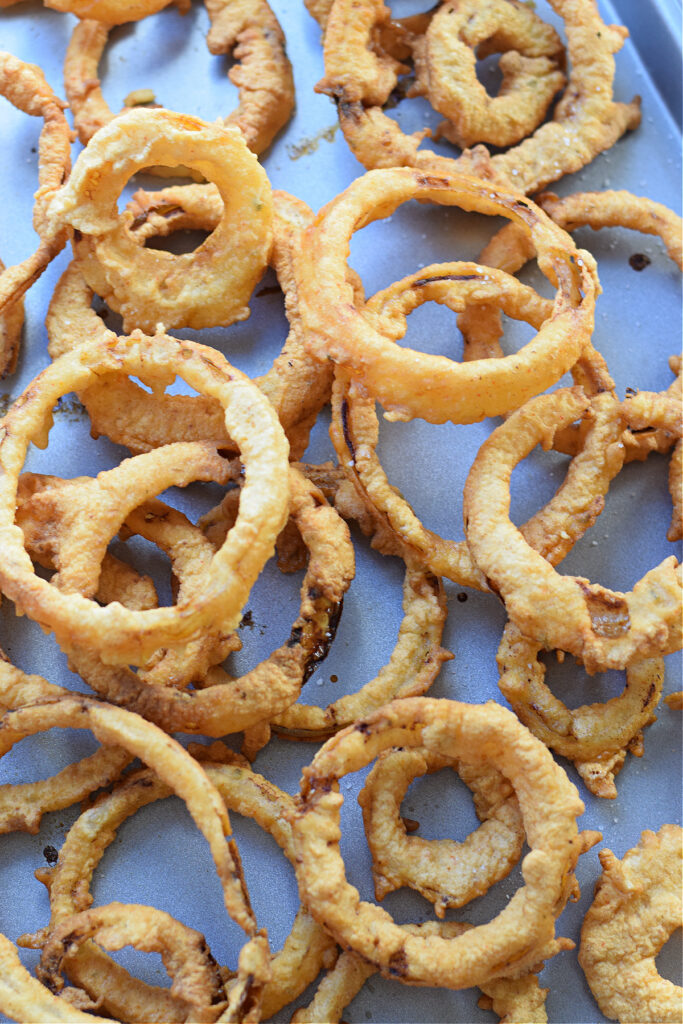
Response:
column 658, row 26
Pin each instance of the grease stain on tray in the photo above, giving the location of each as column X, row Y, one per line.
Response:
column 308, row 146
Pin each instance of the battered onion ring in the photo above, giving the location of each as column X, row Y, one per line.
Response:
column 604, row 628
column 434, row 387
column 595, row 736
column 552, row 531
column 515, row 1000
column 25, row 87
column 297, row 385
column 462, row 32
column 586, row 120
column 185, row 777
column 119, row 634
column 148, row 286
column 262, row 73
column 22, row 806
column 637, row 906
column 226, row 705
column 523, row 932
column 193, row 971
column 445, row 872
column 307, row 948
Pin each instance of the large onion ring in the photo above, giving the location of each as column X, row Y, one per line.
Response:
column 523, row 932
column 434, row 387
column 118, row 633
column 207, row 287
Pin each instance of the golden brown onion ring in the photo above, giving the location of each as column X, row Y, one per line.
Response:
column 25, row 87
column 148, row 286
column 604, row 628
column 118, row 633
column 297, row 385
column 637, row 906
column 552, row 531
column 445, row 872
column 464, row 31
column 596, row 737
column 434, row 387
column 113, row 12
column 194, row 973
column 523, row 932
column 11, row 324
column 263, row 74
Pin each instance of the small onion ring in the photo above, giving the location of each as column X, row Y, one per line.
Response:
column 604, row 628
column 112, row 12
column 591, row 734
column 464, row 31
column 120, row 634
column 193, row 971
column 434, row 387
column 207, row 287
column 637, row 906
column 445, row 872
column 523, row 932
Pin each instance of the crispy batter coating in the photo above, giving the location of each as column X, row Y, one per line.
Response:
column 637, row 906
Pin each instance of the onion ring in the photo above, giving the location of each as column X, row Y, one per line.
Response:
column 604, row 628
column 445, row 872
column 306, row 949
column 434, row 387
column 116, row 632
column 225, row 705
column 552, row 531
column 586, row 120
column 462, row 32
column 112, row 12
column 262, row 73
column 193, row 971
column 297, row 385
column 25, row 87
column 595, row 736
column 22, row 806
column 637, row 906
column 11, row 324
column 207, row 287
column 523, row 932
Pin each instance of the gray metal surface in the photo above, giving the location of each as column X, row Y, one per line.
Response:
column 158, row 858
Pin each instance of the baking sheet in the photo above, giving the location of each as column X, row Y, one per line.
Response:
column 158, row 857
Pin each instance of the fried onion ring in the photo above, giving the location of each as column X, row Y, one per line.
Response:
column 464, row 31
column 120, row 634
column 193, row 971
column 11, row 324
column 223, row 704
column 595, row 736
column 434, row 387
column 604, row 628
column 22, row 806
column 523, row 932
column 25, row 87
column 552, row 531
column 262, row 72
column 445, row 872
column 586, row 121
column 148, row 286
column 112, row 12
column 637, row 906
column 297, row 385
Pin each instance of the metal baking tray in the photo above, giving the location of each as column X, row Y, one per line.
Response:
column 158, row 857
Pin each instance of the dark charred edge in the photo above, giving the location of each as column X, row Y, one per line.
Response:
column 349, row 110
column 398, row 964
column 431, row 181
column 445, row 277
column 362, row 727
column 295, row 636
column 649, row 695
column 493, row 588
column 347, row 430
column 322, row 648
